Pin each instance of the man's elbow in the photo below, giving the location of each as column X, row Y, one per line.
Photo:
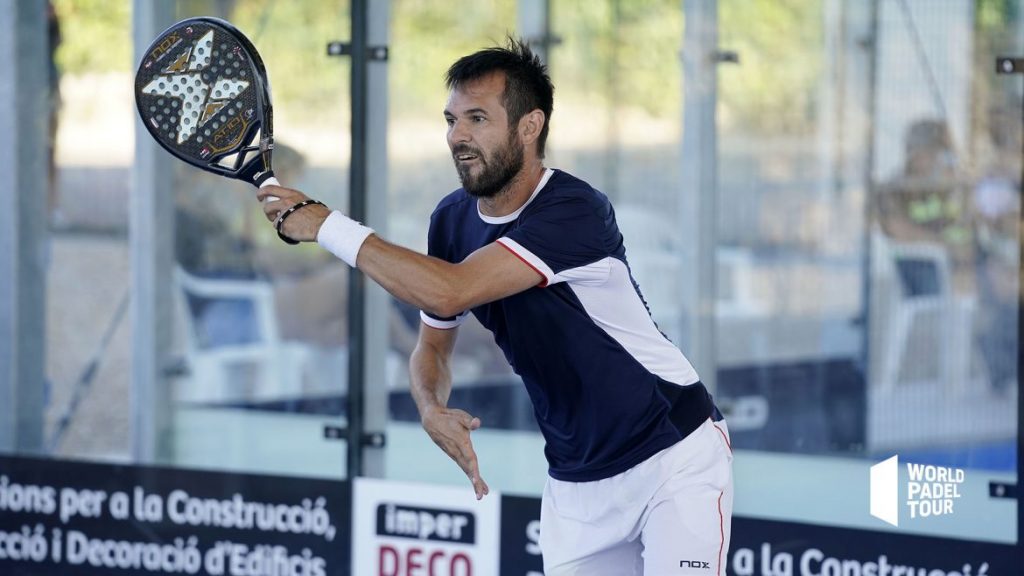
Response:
column 449, row 298
column 447, row 306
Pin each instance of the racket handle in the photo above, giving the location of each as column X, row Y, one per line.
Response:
column 270, row 182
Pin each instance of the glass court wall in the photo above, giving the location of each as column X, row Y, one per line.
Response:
column 867, row 213
column 840, row 337
column 257, row 360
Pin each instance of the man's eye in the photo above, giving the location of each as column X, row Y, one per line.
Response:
column 449, row 121
column 478, row 118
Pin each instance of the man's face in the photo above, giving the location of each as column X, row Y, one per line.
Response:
column 487, row 151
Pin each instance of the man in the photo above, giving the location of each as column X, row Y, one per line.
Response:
column 639, row 460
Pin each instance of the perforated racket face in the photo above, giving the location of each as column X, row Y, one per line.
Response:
column 202, row 93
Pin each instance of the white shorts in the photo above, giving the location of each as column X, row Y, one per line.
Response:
column 671, row 514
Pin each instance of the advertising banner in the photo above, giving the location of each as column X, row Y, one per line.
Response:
column 65, row 518
column 520, row 536
column 402, row 529
column 771, row 548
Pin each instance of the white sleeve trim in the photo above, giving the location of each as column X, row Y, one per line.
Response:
column 443, row 324
column 529, row 258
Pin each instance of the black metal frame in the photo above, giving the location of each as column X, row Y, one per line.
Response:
column 354, row 433
column 1009, row 65
column 357, row 210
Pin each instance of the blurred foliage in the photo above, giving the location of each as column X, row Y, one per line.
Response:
column 994, row 15
column 615, row 52
column 620, row 52
column 427, row 36
column 292, row 38
column 780, row 45
column 96, row 36
column 995, row 103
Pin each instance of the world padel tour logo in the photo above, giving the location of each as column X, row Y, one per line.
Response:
column 931, row 490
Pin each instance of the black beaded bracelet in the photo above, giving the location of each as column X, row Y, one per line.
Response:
column 287, row 213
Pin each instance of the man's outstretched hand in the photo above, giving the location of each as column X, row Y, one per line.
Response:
column 449, row 428
column 302, row 225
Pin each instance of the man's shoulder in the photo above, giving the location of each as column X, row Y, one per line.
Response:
column 564, row 187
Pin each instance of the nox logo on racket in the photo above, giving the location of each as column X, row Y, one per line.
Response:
column 166, row 44
column 196, row 101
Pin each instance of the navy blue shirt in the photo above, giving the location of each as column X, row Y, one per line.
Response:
column 608, row 388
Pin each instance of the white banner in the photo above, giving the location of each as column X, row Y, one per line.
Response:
column 404, row 529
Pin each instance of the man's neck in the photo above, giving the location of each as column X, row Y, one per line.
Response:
column 513, row 196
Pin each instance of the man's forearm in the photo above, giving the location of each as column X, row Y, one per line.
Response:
column 432, row 284
column 423, row 281
column 431, row 379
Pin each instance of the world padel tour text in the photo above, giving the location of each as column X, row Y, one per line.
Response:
column 931, row 490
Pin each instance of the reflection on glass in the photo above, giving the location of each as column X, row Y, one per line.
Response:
column 869, row 209
column 869, row 177
column 88, row 333
column 261, row 326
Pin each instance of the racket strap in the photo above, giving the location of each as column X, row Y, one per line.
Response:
column 280, row 219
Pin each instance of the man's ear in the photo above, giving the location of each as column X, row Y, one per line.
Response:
column 530, row 126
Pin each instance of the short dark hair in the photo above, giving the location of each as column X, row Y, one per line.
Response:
column 527, row 84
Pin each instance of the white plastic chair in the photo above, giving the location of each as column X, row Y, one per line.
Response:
column 233, row 349
column 931, row 310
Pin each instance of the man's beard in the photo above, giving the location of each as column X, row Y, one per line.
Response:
column 497, row 171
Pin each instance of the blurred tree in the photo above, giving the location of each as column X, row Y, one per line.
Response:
column 780, row 44
column 427, row 36
column 620, row 53
column 624, row 53
column 96, row 36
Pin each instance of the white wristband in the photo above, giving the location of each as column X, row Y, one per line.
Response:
column 342, row 236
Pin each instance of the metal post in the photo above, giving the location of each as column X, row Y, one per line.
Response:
column 700, row 184
column 1020, row 363
column 1007, row 65
column 23, row 236
column 869, row 355
column 378, row 301
column 152, row 259
column 357, row 211
column 533, row 23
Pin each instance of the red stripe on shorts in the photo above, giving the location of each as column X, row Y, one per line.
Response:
column 726, row 438
column 721, row 532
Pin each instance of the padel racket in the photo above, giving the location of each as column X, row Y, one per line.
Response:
column 203, row 93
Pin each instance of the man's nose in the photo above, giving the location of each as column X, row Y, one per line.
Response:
column 458, row 133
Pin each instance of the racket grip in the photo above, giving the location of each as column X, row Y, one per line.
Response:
column 270, row 182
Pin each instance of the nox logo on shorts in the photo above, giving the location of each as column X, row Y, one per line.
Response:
column 695, row 564
column 426, row 523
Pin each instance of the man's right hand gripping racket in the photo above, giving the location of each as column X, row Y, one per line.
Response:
column 203, row 93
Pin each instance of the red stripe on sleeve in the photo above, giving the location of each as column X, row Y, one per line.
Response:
column 544, row 279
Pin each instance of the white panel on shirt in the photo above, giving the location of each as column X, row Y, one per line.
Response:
column 606, row 291
column 616, row 307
